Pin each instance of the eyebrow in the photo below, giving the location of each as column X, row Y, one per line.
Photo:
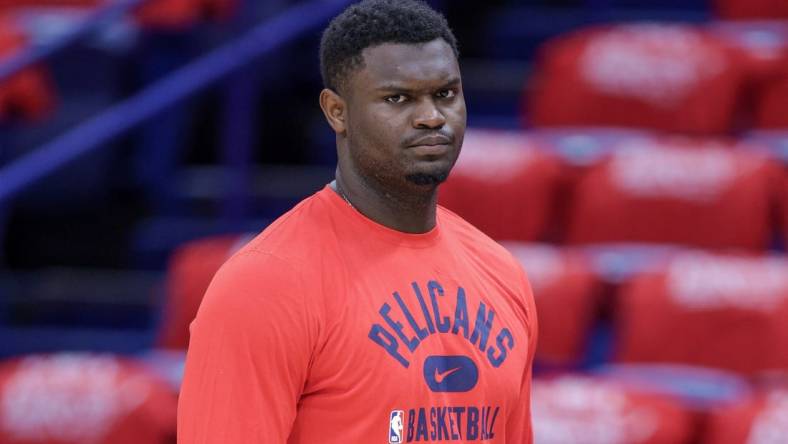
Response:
column 454, row 81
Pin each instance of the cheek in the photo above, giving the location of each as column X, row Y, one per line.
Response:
column 457, row 114
column 380, row 131
column 375, row 144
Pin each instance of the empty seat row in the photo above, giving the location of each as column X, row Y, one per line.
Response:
column 600, row 410
column 684, row 307
column 70, row 398
column 701, row 192
column 711, row 79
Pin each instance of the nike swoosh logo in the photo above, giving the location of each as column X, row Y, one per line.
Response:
column 439, row 377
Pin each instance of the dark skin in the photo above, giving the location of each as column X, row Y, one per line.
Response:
column 399, row 121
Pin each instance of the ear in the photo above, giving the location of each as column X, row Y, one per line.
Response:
column 335, row 109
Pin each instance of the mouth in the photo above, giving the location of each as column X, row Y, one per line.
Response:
column 437, row 149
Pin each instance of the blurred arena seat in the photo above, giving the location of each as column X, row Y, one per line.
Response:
column 700, row 389
column 504, row 184
column 190, row 271
column 751, row 9
column 152, row 13
column 703, row 193
column 665, row 77
column 759, row 420
column 180, row 13
column 29, row 93
column 722, row 311
column 771, row 107
column 784, row 204
column 576, row 409
column 81, row 398
column 766, row 45
column 566, row 293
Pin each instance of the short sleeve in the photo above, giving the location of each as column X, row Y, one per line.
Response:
column 250, row 350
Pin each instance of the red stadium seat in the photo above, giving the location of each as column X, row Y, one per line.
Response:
column 504, row 185
column 179, row 13
column 29, row 93
column 728, row 312
column 664, row 77
column 573, row 409
column 752, row 9
column 771, row 107
column 767, row 45
column 190, row 271
column 565, row 290
column 784, row 204
column 760, row 420
column 680, row 191
column 80, row 399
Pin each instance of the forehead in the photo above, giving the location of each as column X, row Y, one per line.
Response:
column 408, row 64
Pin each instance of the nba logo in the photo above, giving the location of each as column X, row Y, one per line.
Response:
column 396, row 422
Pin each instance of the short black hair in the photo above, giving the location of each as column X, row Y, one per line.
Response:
column 375, row 22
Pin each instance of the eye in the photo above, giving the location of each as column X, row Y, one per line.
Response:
column 446, row 93
column 396, row 98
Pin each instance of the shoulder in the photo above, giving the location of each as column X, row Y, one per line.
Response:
column 296, row 235
column 253, row 286
column 279, row 264
column 250, row 277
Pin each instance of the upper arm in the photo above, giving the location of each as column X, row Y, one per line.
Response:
column 249, row 354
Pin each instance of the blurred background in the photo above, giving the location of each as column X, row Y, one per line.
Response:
column 633, row 154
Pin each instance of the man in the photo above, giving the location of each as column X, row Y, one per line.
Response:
column 368, row 314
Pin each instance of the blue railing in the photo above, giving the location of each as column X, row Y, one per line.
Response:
column 227, row 62
column 94, row 133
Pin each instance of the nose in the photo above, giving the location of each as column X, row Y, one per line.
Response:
column 428, row 116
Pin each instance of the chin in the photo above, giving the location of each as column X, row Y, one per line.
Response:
column 427, row 179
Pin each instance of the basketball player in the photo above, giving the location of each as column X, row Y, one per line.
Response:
column 367, row 305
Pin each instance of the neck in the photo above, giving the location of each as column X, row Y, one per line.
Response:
column 410, row 211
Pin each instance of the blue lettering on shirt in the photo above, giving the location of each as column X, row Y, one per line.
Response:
column 433, row 424
column 461, row 314
column 443, row 431
column 421, row 430
column 411, row 419
column 436, row 290
column 423, row 305
column 420, row 332
column 382, row 337
column 393, row 331
column 481, row 329
column 459, row 411
column 411, row 343
column 473, row 424
column 503, row 336
column 450, row 423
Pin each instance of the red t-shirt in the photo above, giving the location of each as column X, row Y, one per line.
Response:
column 331, row 328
